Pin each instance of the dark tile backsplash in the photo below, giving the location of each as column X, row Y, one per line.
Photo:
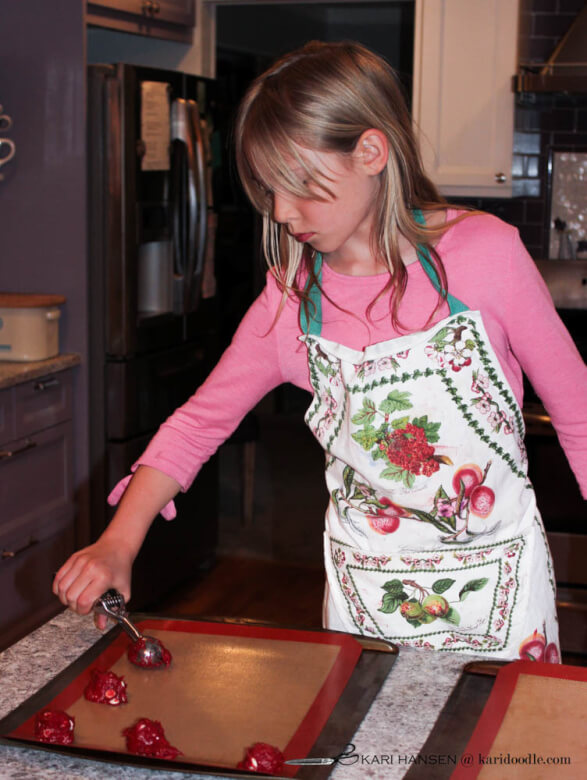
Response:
column 542, row 121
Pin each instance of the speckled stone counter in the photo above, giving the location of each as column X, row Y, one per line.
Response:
column 394, row 729
column 13, row 373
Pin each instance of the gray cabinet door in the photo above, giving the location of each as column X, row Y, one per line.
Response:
column 179, row 12
column 42, row 403
column 35, row 477
column 29, row 558
column 37, row 513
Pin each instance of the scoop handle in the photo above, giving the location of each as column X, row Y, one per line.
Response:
column 112, row 604
column 129, row 627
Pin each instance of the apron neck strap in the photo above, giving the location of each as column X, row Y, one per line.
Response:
column 455, row 306
column 312, row 325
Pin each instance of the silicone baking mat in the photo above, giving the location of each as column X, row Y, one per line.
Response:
column 228, row 686
column 533, row 725
column 524, row 720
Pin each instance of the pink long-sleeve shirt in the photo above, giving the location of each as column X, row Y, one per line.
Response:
column 488, row 269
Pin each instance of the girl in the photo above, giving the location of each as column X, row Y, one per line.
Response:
column 410, row 323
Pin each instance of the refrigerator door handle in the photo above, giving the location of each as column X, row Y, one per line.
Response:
column 181, row 130
column 194, row 209
column 177, row 217
column 201, row 179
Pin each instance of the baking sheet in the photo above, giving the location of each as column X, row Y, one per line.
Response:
column 227, row 687
column 533, row 725
column 522, row 719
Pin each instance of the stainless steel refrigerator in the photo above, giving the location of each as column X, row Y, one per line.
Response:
column 152, row 295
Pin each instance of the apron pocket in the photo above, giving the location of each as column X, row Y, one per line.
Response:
column 463, row 600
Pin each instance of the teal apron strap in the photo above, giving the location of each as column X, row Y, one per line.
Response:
column 455, row 306
column 314, row 326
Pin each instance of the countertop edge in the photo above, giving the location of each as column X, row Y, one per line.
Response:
column 14, row 373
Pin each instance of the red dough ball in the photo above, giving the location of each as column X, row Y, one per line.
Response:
column 133, row 656
column 147, row 738
column 54, row 727
column 263, row 758
column 106, row 688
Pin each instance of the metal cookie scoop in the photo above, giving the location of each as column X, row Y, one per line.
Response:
column 148, row 651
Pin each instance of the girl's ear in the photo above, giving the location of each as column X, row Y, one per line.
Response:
column 371, row 151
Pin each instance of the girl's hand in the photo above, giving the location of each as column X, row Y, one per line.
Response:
column 92, row 571
column 108, row 562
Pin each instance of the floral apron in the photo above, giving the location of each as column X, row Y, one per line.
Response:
column 432, row 537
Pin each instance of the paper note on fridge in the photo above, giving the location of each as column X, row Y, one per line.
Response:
column 155, row 129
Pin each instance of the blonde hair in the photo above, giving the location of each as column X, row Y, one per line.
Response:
column 323, row 97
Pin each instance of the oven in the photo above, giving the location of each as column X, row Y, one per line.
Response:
column 563, row 509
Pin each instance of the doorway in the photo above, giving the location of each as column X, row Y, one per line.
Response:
column 268, row 30
column 289, row 494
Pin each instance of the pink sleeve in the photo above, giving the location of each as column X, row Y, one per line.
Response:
column 549, row 357
column 247, row 371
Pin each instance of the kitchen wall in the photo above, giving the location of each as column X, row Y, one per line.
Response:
column 43, row 193
column 541, row 122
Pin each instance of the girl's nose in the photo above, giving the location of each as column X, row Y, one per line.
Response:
column 283, row 208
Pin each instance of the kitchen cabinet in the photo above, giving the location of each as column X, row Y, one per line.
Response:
column 36, row 494
column 170, row 19
column 465, row 55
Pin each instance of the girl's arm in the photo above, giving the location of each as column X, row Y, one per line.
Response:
column 549, row 357
column 249, row 368
column 490, row 269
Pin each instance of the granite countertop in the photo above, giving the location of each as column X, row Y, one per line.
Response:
column 395, row 728
column 14, row 373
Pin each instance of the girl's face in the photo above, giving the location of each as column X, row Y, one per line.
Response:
column 336, row 223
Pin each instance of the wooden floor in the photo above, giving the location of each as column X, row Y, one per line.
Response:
column 266, row 591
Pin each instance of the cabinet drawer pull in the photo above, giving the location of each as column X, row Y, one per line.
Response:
column 9, row 554
column 501, row 178
column 43, row 384
column 28, row 445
